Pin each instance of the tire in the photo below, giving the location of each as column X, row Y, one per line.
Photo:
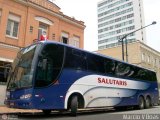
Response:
column 46, row 112
column 141, row 103
column 148, row 103
column 159, row 101
column 74, row 105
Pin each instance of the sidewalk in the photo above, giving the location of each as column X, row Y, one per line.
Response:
column 5, row 110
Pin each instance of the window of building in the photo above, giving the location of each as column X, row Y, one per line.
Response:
column 148, row 59
column 65, row 37
column 115, row 9
column 4, row 67
column 114, row 15
column 155, row 62
column 65, row 40
column 43, row 28
column 13, row 26
column 143, row 57
column 75, row 41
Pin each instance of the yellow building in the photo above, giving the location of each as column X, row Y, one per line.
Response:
column 139, row 54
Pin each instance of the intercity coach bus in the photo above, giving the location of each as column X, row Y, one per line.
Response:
column 54, row 76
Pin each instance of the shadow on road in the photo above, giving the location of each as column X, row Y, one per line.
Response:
column 65, row 115
column 59, row 114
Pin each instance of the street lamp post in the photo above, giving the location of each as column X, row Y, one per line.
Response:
column 126, row 50
column 125, row 37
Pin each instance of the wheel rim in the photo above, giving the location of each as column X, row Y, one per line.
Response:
column 141, row 104
column 148, row 103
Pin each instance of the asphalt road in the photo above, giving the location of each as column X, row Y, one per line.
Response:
column 99, row 114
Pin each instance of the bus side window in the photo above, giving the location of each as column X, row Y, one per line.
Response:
column 122, row 70
column 152, row 76
column 75, row 59
column 143, row 75
column 131, row 72
column 110, row 66
column 95, row 63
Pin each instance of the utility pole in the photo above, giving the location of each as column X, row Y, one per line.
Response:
column 125, row 37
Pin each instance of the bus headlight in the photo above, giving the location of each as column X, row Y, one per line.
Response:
column 27, row 96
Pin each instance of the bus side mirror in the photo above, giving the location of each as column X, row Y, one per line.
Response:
column 44, row 64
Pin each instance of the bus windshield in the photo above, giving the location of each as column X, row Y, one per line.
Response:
column 22, row 69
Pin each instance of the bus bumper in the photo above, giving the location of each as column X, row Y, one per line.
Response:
column 22, row 104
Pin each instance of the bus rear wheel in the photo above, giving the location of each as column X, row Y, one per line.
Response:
column 74, row 105
column 141, row 103
column 46, row 112
column 148, row 103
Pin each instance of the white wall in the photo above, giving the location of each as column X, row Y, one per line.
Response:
column 139, row 19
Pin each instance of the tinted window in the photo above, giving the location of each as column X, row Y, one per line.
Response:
column 23, row 68
column 110, row 66
column 132, row 71
column 122, row 70
column 53, row 55
column 152, row 76
column 95, row 63
column 141, row 74
column 75, row 59
column 144, row 74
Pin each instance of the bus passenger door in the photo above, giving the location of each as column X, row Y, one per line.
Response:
column 47, row 76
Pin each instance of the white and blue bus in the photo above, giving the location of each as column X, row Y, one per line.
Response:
column 54, row 76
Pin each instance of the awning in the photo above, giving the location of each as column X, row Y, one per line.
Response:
column 6, row 59
column 44, row 20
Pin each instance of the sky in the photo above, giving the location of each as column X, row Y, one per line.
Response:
column 86, row 10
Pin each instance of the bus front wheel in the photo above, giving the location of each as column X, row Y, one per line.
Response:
column 74, row 105
column 46, row 112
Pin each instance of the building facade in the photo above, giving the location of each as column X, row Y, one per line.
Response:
column 117, row 18
column 22, row 22
column 139, row 54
